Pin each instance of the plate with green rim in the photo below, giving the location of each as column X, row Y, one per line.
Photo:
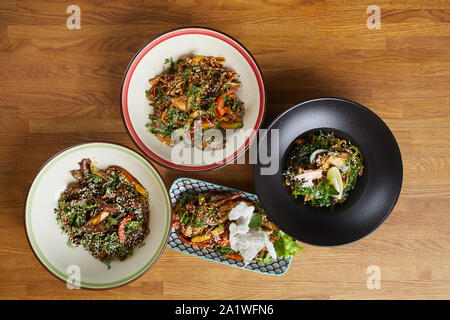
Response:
column 49, row 244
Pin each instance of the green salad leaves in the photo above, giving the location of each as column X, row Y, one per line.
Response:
column 285, row 246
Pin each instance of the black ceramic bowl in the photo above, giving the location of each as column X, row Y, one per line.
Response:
column 367, row 205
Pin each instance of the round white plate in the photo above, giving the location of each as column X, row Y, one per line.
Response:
column 76, row 265
column 148, row 63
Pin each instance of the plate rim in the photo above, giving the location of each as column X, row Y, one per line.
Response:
column 388, row 130
column 161, row 38
column 43, row 260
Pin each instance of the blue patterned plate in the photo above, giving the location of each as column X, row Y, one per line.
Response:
column 188, row 185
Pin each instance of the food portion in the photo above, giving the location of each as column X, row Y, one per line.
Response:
column 105, row 211
column 195, row 93
column 323, row 169
column 236, row 228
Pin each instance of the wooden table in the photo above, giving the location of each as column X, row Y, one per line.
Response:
column 53, row 79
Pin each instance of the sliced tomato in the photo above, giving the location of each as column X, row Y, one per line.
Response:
column 176, row 224
column 220, row 109
column 121, row 229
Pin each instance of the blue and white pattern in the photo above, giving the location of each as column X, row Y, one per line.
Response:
column 187, row 185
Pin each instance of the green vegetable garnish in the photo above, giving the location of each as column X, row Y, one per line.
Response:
column 285, row 246
column 265, row 258
column 337, row 162
column 255, row 221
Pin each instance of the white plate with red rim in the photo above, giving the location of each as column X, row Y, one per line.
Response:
column 149, row 62
column 76, row 265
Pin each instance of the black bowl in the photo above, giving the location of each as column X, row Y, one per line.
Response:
column 367, row 205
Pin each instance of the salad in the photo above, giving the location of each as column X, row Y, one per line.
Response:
column 105, row 211
column 235, row 228
column 194, row 94
column 323, row 169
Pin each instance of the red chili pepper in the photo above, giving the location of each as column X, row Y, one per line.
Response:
column 198, row 244
column 220, row 103
column 232, row 197
column 121, row 230
column 234, row 256
column 176, row 224
column 223, row 243
column 202, row 244
column 184, row 239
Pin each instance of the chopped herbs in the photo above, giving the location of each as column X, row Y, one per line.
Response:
column 196, row 88
column 256, row 220
column 202, row 220
column 92, row 210
column 310, row 172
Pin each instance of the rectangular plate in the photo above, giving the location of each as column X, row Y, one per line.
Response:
column 188, row 185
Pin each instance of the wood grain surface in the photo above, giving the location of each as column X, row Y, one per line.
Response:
column 61, row 87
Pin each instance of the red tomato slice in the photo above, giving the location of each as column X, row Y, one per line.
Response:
column 121, row 229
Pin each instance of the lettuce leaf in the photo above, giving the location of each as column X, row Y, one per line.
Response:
column 285, row 246
column 265, row 258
